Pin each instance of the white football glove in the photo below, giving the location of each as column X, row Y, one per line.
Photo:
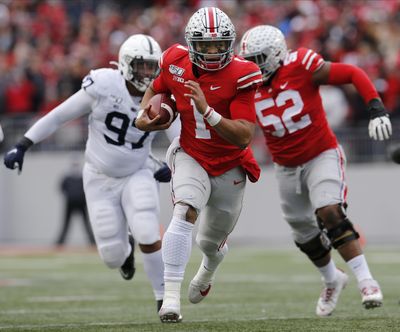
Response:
column 380, row 128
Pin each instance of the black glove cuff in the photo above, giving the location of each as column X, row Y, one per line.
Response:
column 24, row 144
column 376, row 108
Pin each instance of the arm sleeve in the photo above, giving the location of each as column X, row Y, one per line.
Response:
column 341, row 73
column 74, row 107
column 243, row 106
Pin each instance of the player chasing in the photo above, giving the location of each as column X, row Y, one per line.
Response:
column 214, row 92
column 309, row 163
column 119, row 173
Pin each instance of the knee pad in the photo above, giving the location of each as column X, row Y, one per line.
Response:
column 317, row 248
column 342, row 233
column 340, row 229
column 112, row 254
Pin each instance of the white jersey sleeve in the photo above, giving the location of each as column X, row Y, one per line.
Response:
column 74, row 107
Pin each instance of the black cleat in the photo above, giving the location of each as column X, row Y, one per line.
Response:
column 128, row 269
column 159, row 305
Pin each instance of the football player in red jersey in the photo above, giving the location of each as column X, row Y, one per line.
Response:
column 214, row 92
column 309, row 162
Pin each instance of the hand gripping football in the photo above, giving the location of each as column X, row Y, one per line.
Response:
column 164, row 105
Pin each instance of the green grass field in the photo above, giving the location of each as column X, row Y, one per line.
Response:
column 255, row 290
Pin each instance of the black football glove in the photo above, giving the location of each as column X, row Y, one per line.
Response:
column 394, row 153
column 163, row 174
column 15, row 157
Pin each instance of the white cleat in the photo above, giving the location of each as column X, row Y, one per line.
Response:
column 170, row 311
column 170, row 314
column 371, row 295
column 198, row 291
column 330, row 294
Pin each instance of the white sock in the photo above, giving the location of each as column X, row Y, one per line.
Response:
column 328, row 272
column 176, row 249
column 212, row 262
column 172, row 295
column 154, row 267
column 360, row 268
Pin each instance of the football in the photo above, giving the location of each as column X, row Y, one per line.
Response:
column 164, row 105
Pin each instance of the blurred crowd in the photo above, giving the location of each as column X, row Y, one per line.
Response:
column 48, row 46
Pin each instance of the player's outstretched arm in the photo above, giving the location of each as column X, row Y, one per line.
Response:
column 74, row 107
column 380, row 127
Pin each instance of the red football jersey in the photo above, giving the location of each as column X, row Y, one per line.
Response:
column 230, row 91
column 290, row 112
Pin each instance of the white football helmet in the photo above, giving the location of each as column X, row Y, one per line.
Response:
column 266, row 46
column 210, row 35
column 138, row 60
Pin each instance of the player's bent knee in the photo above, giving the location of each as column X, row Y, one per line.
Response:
column 330, row 216
column 112, row 254
column 339, row 228
column 317, row 248
column 184, row 211
column 342, row 233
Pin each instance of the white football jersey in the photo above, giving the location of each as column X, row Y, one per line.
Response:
column 115, row 147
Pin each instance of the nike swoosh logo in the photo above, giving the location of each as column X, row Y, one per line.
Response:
column 237, row 182
column 212, row 88
column 205, row 292
column 284, row 85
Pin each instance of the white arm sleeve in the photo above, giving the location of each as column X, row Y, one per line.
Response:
column 74, row 107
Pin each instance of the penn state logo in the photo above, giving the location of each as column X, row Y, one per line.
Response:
column 175, row 70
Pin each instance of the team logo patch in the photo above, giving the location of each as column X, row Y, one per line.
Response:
column 175, row 70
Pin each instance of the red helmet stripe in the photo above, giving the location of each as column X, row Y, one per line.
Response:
column 244, row 43
column 211, row 18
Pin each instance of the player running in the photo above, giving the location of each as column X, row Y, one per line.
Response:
column 309, row 163
column 121, row 190
column 214, row 93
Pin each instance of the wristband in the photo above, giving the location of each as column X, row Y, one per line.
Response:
column 212, row 117
column 24, row 144
column 376, row 108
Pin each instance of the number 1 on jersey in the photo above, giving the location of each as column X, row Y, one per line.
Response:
column 201, row 129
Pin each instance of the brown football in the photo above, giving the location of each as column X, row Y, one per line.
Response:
column 164, row 105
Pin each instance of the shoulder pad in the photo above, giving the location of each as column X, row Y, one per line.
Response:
column 309, row 59
column 173, row 53
column 247, row 73
column 96, row 83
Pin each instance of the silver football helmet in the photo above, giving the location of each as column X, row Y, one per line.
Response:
column 138, row 60
column 210, row 36
column 266, row 46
